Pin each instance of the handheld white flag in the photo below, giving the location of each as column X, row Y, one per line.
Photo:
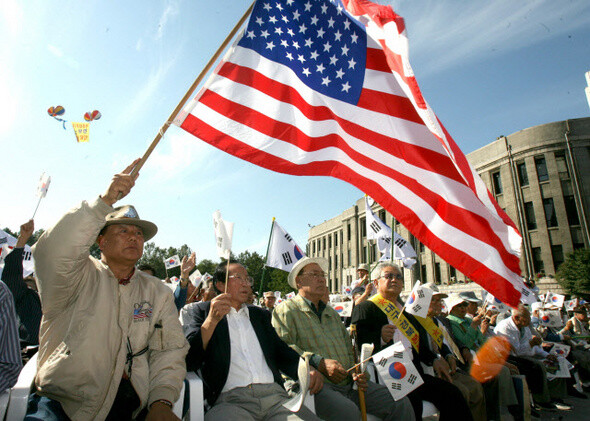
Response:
column 419, row 301
column 196, row 278
column 396, row 370
column 571, row 304
column 492, row 303
column 172, row 262
column 552, row 299
column 550, row 318
column 44, row 182
column 283, row 251
column 224, row 232
column 382, row 233
column 344, row 308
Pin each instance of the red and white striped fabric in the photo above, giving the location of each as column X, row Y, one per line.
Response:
column 386, row 140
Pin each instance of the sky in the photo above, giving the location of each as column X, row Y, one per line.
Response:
column 487, row 68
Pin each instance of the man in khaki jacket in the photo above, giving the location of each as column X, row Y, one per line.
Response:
column 111, row 345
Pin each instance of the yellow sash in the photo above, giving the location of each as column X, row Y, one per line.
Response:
column 398, row 319
column 433, row 330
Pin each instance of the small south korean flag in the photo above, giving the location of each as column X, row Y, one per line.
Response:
column 172, row 262
column 552, row 299
column 550, row 318
column 396, row 370
column 419, row 301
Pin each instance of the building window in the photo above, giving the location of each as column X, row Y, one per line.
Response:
column 349, row 257
column 529, row 214
column 550, row 217
column 421, row 247
column 363, row 224
column 571, row 210
column 373, row 252
column 324, row 243
column 335, row 262
column 538, row 265
column 423, row 274
column 335, row 239
column 382, row 215
column 348, row 229
column 313, row 245
column 364, row 256
column 497, row 183
column 562, row 168
column 523, row 177
column 437, row 278
column 541, row 166
column 329, row 242
column 557, row 253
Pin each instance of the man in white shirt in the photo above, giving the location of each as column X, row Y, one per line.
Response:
column 530, row 359
column 240, row 354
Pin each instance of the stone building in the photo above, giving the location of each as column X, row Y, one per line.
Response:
column 540, row 176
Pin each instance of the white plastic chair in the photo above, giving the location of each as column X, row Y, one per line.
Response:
column 19, row 394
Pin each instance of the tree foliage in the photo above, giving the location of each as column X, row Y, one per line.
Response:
column 32, row 240
column 574, row 273
column 154, row 256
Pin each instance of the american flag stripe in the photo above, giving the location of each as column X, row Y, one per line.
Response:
column 387, row 142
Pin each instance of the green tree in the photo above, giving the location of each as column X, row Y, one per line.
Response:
column 574, row 273
column 32, row 240
column 207, row 266
column 154, row 256
column 254, row 263
column 276, row 280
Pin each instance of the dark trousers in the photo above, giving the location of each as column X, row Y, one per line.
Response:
column 444, row 395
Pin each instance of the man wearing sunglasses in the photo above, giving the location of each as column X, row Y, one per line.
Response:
column 240, row 355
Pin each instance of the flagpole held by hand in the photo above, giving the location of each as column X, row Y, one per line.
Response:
column 362, row 404
column 188, row 93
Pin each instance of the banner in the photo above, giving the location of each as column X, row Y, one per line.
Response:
column 396, row 370
column 82, row 131
column 283, row 251
column 224, row 232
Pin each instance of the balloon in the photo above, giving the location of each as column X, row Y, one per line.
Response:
column 94, row 115
column 490, row 359
column 55, row 111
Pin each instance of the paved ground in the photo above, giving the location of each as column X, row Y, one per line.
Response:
column 581, row 411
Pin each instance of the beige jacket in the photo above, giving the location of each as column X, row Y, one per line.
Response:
column 88, row 317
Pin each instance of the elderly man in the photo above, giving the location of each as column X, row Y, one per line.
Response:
column 312, row 328
column 111, row 345
column 240, row 355
column 529, row 357
column 374, row 326
column 364, row 281
column 269, row 301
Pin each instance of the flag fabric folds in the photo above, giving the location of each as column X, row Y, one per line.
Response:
column 418, row 301
column 224, row 232
column 397, row 371
column 326, row 88
column 283, row 251
column 380, row 231
column 172, row 262
column 43, row 186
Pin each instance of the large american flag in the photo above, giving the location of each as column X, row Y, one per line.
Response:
column 320, row 87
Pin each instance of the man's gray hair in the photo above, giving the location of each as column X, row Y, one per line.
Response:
column 521, row 310
column 384, row 265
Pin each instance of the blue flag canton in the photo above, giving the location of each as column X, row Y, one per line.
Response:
column 317, row 39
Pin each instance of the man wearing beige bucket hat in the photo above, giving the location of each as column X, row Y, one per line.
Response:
column 111, row 343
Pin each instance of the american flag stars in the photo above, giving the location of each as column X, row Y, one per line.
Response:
column 316, row 39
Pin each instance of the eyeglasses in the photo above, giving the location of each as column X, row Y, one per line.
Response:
column 316, row 275
column 391, row 276
column 247, row 280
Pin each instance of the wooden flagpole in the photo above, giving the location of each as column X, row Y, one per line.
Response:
column 188, row 93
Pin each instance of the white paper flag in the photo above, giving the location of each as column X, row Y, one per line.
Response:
column 552, row 299
column 283, row 251
column 495, row 304
column 397, row 371
column 224, row 232
column 419, row 300
column 561, row 350
column 344, row 309
column 44, row 182
column 571, row 304
column 382, row 233
column 172, row 262
column 550, row 318
column 196, row 278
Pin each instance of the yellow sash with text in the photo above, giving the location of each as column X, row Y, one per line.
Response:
column 398, row 319
column 433, row 330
